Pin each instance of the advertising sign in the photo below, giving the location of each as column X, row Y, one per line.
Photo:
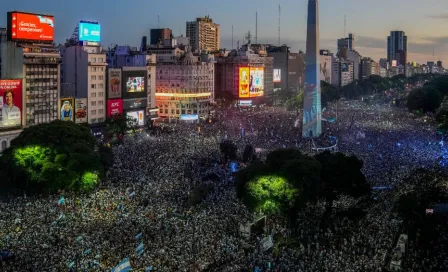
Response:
column 138, row 103
column 256, row 82
column 244, row 82
column 137, row 115
column 31, row 27
column 10, row 103
column 189, row 117
column 89, row 32
column 114, row 83
column 67, row 109
column 135, row 84
column 114, row 107
column 81, row 110
column 344, row 67
column 277, row 75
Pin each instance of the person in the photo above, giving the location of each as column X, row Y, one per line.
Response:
column 66, row 111
column 10, row 113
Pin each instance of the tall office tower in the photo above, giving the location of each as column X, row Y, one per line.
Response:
column 204, row 34
column 158, row 35
column 397, row 47
column 144, row 44
column 312, row 114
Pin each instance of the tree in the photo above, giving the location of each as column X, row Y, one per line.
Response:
column 442, row 119
column 329, row 93
column 426, row 98
column 118, row 125
column 295, row 102
column 49, row 157
column 341, row 175
column 440, row 83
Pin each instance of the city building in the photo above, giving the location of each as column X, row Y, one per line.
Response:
column 180, row 41
column 397, row 48
column 355, row 57
column 369, row 67
column 32, row 65
column 383, row 63
column 326, row 64
column 132, row 83
column 235, row 69
column 185, row 87
column 348, row 42
column 383, row 72
column 342, row 73
column 288, row 67
column 158, row 35
column 84, row 72
column 204, row 34
column 312, row 112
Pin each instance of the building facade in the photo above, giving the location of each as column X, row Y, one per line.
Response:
column 397, row 47
column 185, row 87
column 369, row 67
column 159, row 35
column 204, row 34
column 342, row 72
column 326, row 63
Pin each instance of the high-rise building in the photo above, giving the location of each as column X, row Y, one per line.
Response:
column 383, row 63
column 397, row 47
column 158, row 35
column 288, row 67
column 84, row 76
column 204, row 34
column 342, row 72
column 369, row 67
column 348, row 42
column 312, row 112
column 144, row 44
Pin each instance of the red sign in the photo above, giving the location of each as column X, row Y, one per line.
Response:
column 10, row 103
column 34, row 27
column 114, row 107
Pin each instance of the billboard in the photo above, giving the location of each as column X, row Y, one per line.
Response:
column 137, row 115
column 30, row 27
column 344, row 67
column 114, row 107
column 243, row 86
column 277, row 75
column 67, row 109
column 135, row 84
column 325, row 68
column 189, row 117
column 81, row 110
column 89, row 32
column 256, row 82
column 10, row 103
column 114, row 83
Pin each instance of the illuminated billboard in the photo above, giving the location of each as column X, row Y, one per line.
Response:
column 135, row 84
column 89, row 32
column 256, row 82
column 277, row 75
column 10, row 103
column 30, row 27
column 189, row 117
column 81, row 110
column 114, row 83
column 114, row 107
column 344, row 67
column 138, row 116
column 243, row 86
column 67, row 109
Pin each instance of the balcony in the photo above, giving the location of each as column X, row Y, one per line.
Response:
column 98, row 63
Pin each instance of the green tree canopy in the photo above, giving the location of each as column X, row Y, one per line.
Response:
column 118, row 125
column 341, row 175
column 329, row 93
column 49, row 157
column 426, row 98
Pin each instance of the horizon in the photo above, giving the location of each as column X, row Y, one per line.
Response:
column 370, row 41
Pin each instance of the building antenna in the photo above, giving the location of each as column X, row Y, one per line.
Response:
column 279, row 15
column 345, row 24
column 256, row 27
column 232, row 37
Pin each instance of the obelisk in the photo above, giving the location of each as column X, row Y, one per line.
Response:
column 312, row 112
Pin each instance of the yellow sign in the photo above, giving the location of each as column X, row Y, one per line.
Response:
column 244, row 82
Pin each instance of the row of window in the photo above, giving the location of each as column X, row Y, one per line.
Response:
column 97, row 69
column 94, row 120
column 97, row 86
column 93, row 103
column 100, row 94
column 95, row 60
column 100, row 111
column 93, row 77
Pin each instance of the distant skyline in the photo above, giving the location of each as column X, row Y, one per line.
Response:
column 125, row 22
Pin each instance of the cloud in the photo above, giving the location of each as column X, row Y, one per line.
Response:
column 443, row 16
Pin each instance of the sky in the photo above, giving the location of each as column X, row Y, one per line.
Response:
column 125, row 22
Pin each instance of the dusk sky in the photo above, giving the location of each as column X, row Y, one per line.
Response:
column 125, row 22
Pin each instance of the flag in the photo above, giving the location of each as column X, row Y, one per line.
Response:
column 148, row 269
column 70, row 265
column 124, row 266
column 79, row 239
column 132, row 194
column 138, row 236
column 87, row 251
column 140, row 249
column 61, row 201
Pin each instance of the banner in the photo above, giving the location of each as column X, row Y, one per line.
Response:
column 67, row 108
column 10, row 103
column 114, row 83
column 114, row 107
column 81, row 110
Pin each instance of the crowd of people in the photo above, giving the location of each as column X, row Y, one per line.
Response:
column 145, row 199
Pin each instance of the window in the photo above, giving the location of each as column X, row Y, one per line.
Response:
column 93, row 112
column 93, row 60
column 101, row 69
column 100, row 111
column 100, row 77
column 92, row 94
column 100, row 59
column 100, row 94
column 93, row 120
column 93, row 103
column 93, row 86
column 100, row 103
column 92, row 77
column 100, row 86
column 100, row 120
column 93, row 69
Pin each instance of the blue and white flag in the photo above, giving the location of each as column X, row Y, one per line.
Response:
column 138, row 236
column 70, row 265
column 148, row 269
column 132, row 194
column 140, row 249
column 61, row 201
column 124, row 266
column 87, row 251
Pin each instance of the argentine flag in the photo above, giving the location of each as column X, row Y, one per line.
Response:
column 61, row 201
column 140, row 249
column 124, row 266
column 138, row 236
